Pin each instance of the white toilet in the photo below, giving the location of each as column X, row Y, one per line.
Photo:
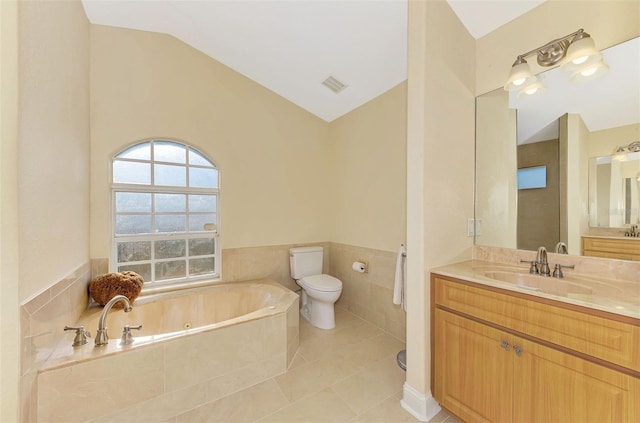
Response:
column 319, row 292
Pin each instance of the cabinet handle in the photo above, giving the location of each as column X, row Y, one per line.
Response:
column 518, row 350
column 505, row 345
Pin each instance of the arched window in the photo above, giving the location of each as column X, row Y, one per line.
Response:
column 165, row 213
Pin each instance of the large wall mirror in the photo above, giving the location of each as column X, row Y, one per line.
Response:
column 557, row 166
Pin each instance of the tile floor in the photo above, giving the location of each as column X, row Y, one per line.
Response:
column 348, row 374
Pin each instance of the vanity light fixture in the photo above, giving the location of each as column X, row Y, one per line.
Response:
column 581, row 59
column 632, row 147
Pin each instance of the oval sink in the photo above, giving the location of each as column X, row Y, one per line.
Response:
column 540, row 283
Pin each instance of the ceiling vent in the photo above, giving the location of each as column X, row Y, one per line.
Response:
column 333, row 84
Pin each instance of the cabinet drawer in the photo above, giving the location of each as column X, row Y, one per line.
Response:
column 625, row 249
column 596, row 336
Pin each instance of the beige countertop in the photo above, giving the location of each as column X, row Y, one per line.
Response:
column 611, row 295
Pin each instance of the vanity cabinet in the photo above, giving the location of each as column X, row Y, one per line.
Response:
column 615, row 248
column 484, row 370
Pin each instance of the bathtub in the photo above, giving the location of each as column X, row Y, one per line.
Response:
column 195, row 346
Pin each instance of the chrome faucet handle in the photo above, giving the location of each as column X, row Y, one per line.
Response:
column 557, row 271
column 81, row 335
column 127, row 337
column 534, row 266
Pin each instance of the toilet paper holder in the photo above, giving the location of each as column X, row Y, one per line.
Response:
column 360, row 266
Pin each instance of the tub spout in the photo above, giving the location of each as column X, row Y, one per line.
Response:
column 102, row 338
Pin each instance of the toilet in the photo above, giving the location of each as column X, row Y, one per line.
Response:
column 319, row 292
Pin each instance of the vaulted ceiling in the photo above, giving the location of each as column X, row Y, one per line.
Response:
column 291, row 47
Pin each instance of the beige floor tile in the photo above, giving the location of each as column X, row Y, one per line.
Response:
column 324, row 406
column 388, row 411
column 367, row 388
column 441, row 417
column 298, row 360
column 245, row 406
column 311, row 377
column 320, row 346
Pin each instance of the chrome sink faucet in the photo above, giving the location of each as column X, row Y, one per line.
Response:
column 102, row 338
column 541, row 259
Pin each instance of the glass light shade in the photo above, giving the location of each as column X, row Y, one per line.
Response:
column 520, row 76
column 592, row 71
column 580, row 53
column 532, row 89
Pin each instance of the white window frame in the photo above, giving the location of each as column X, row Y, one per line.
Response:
column 151, row 188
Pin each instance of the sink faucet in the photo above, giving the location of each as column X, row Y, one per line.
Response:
column 102, row 338
column 561, row 248
column 541, row 259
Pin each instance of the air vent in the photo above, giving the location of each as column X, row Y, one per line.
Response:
column 333, row 84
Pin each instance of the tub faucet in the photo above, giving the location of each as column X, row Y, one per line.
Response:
column 102, row 338
column 541, row 259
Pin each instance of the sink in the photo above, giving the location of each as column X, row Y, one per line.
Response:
column 540, row 283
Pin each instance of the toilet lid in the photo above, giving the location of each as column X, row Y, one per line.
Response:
column 321, row 283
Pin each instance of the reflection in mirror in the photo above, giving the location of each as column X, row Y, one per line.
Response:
column 614, row 191
column 560, row 129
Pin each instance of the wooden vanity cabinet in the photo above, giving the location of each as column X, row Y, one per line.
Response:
column 614, row 248
column 484, row 372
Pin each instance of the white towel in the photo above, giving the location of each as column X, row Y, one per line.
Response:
column 400, row 283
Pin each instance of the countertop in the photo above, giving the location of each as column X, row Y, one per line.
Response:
column 611, row 295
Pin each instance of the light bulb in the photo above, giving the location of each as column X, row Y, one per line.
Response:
column 580, row 60
column 519, row 81
column 589, row 72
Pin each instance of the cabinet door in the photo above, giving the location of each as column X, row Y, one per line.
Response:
column 473, row 372
column 551, row 386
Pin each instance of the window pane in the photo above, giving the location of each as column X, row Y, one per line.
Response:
column 172, row 223
column 134, row 251
column 195, row 158
column 170, row 248
column 201, row 266
column 203, row 178
column 201, row 246
column 166, row 151
column 171, row 203
column 202, row 203
column 197, row 221
column 143, row 270
column 138, row 152
column 131, row 172
column 173, row 176
column 140, row 224
column 133, row 202
column 171, row 269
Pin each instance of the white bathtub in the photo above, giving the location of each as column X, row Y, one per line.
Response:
column 212, row 341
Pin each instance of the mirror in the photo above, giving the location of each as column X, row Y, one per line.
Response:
column 565, row 130
column 614, row 190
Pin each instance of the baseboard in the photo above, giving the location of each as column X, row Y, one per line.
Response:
column 421, row 406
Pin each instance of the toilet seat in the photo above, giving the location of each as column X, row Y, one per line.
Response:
column 325, row 283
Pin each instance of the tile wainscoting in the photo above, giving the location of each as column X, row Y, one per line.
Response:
column 42, row 319
column 369, row 295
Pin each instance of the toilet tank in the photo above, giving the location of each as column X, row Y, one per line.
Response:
column 305, row 261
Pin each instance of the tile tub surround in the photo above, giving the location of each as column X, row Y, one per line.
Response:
column 159, row 380
column 369, row 295
column 42, row 319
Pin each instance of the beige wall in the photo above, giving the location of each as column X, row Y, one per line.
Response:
column 440, row 162
column 53, row 137
column 577, row 183
column 273, row 156
column 496, row 176
column 608, row 21
column 9, row 298
column 368, row 171
column 604, row 142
